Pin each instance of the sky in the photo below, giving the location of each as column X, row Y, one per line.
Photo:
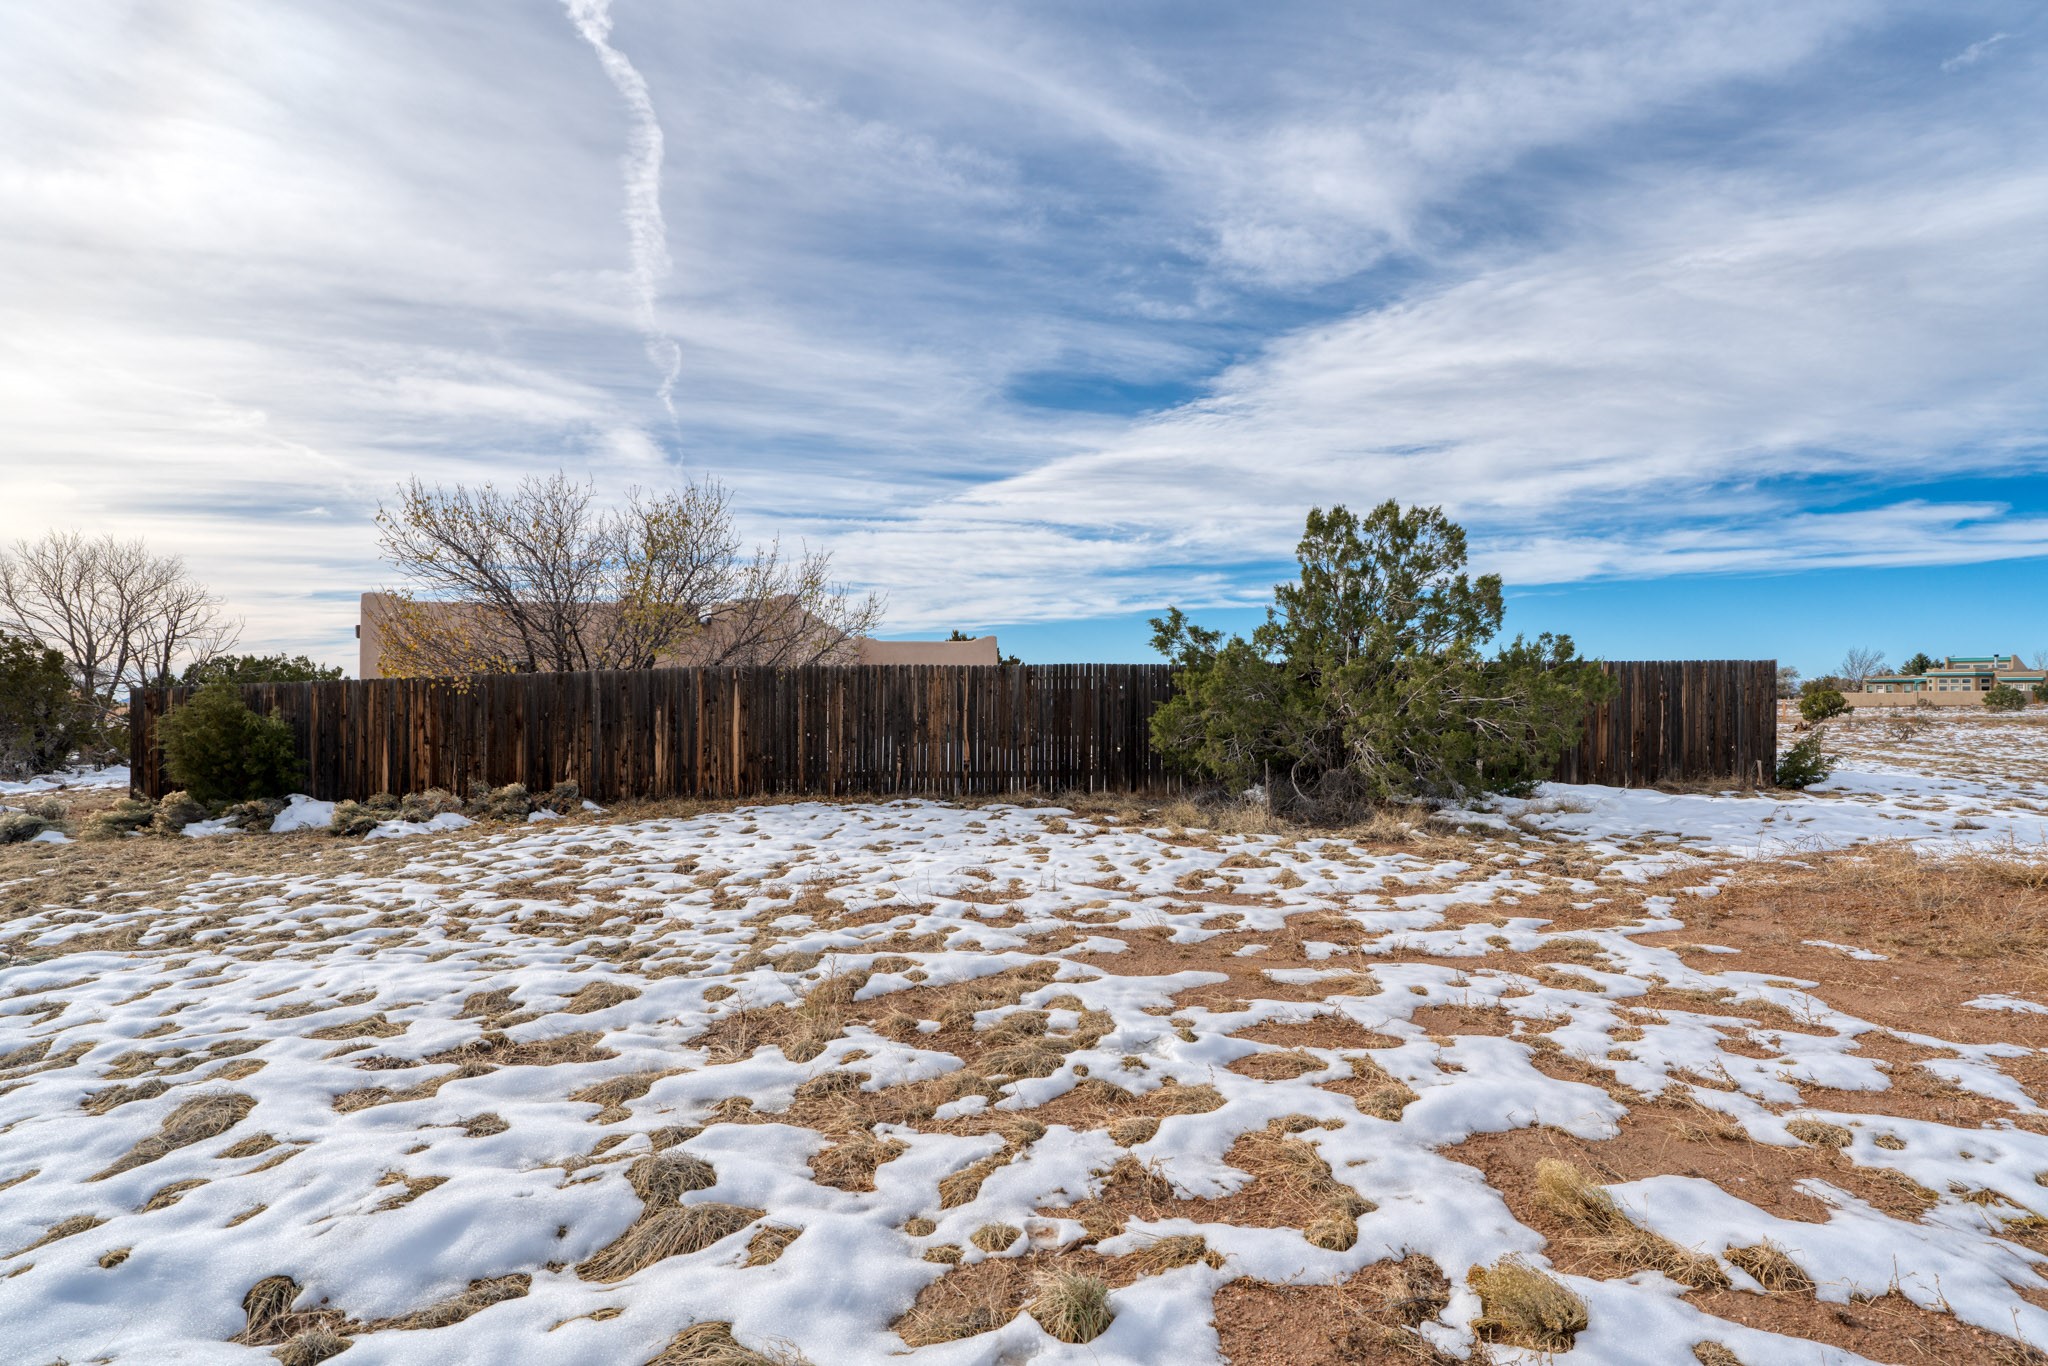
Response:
column 1719, row 325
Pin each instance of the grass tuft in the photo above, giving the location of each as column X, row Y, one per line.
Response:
column 1523, row 1307
column 63, row 1228
column 712, row 1344
column 195, row 1121
column 1819, row 1133
column 662, row 1179
column 1071, row 1307
column 996, row 1237
column 1166, row 1254
column 661, row 1234
column 1772, row 1267
column 768, row 1245
column 1576, row 1198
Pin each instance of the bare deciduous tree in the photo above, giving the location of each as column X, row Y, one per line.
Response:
column 541, row 577
column 121, row 616
column 1858, row 665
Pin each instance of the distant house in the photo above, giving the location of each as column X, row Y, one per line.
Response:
column 377, row 607
column 1956, row 674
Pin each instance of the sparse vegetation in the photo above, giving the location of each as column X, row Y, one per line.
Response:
column 1524, row 1307
column 1071, row 1307
column 2004, row 697
column 1806, row 761
column 1822, row 704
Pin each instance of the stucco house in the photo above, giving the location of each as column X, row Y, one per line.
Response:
column 375, row 609
column 1954, row 680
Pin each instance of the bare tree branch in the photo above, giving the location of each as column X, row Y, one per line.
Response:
column 122, row 616
column 539, row 577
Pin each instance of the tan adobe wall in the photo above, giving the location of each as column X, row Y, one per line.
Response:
column 1916, row 699
column 981, row 650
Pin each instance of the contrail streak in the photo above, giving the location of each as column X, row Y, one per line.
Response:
column 648, row 234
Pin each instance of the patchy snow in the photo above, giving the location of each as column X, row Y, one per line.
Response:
column 303, row 813
column 450, row 1068
column 1860, row 955
column 2011, row 1003
column 113, row 775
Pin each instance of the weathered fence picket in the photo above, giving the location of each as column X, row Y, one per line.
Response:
column 916, row 729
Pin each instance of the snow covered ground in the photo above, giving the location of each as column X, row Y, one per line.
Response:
column 846, row 1077
column 114, row 776
column 1946, row 783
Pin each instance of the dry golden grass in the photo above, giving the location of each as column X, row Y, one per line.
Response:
column 1166, row 1254
column 1523, row 1307
column 112, row 1097
column 63, row 1228
column 1071, row 1307
column 768, row 1245
column 600, row 996
column 1972, row 907
column 850, row 1163
column 1819, row 1133
column 1576, row 1198
column 1771, row 1266
column 613, row 1092
column 198, row 1119
column 712, row 1344
column 996, row 1237
column 662, row 1179
column 660, row 1234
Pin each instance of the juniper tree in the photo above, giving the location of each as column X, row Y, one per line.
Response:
column 1369, row 678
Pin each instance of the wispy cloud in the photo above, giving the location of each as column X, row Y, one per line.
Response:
column 1975, row 52
column 1030, row 312
column 647, row 229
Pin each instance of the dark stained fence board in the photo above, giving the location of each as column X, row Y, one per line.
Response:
column 925, row 729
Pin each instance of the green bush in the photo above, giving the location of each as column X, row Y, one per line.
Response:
column 123, row 817
column 220, row 751
column 238, row 669
column 41, row 721
column 19, row 827
column 1822, row 704
column 2040, row 691
column 1806, row 762
column 1367, row 681
column 2004, row 697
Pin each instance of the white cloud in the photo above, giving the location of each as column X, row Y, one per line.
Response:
column 1604, row 286
column 1975, row 52
column 642, row 164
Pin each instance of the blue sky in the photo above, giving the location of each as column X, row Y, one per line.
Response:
column 1718, row 324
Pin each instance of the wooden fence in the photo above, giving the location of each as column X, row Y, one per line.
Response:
column 939, row 730
column 1679, row 719
column 911, row 728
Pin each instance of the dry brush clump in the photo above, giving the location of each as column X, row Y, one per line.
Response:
column 1574, row 1197
column 1771, row 1267
column 1520, row 1306
column 196, row 1120
column 1071, row 1307
column 712, row 1344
